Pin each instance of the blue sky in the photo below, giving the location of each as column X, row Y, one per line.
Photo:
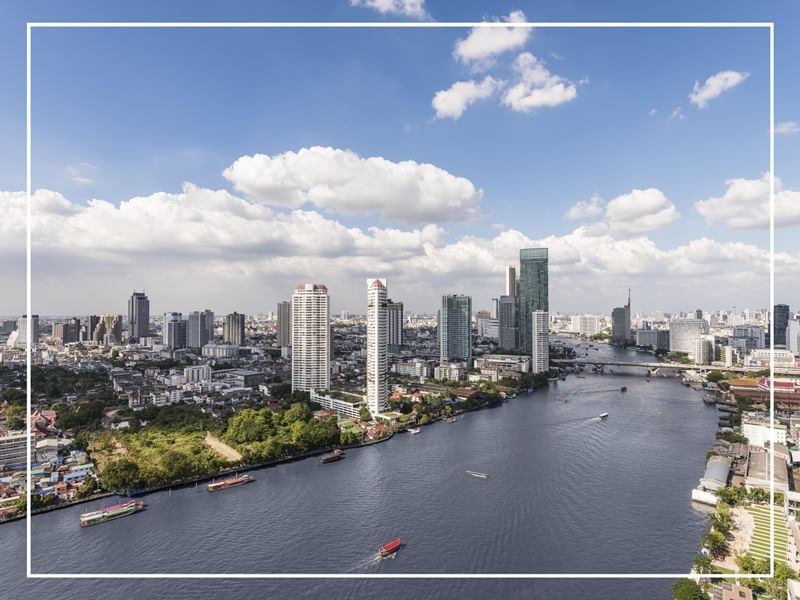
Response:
column 120, row 113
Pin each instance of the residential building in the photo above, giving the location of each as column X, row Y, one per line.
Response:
column 233, row 329
column 793, row 336
column 511, row 280
column 377, row 346
column 455, row 328
column 138, row 316
column 780, row 320
column 395, row 325
column 657, row 339
column 68, row 331
column 488, row 329
column 22, row 331
column 311, row 338
column 13, row 449
column 199, row 329
column 197, row 373
column 284, row 324
column 758, row 432
column 224, row 351
column 507, row 322
column 621, row 324
column 450, row 371
column 173, row 331
column 533, row 292
column 108, row 330
column 704, row 350
column 540, row 341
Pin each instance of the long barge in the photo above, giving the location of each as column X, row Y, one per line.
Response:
column 108, row 513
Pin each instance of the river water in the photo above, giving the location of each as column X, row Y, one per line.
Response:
column 567, row 493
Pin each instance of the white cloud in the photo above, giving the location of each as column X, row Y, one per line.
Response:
column 218, row 250
column 537, row 87
column 584, row 210
column 409, row 8
column 342, row 181
column 80, row 173
column 555, row 55
column 714, row 86
column 745, row 205
column 452, row 102
column 677, row 113
column 640, row 211
column 484, row 43
column 787, row 127
column 652, row 112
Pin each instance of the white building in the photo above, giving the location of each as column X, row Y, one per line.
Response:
column 13, row 449
column 345, row 405
column 760, row 358
column 793, row 336
column 413, row 368
column 704, row 350
column 758, row 432
column 684, row 333
column 220, row 351
column 587, row 325
column 450, row 371
column 196, row 374
column 311, row 338
column 377, row 346
column 488, row 328
column 540, row 342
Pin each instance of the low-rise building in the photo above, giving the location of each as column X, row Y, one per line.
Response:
column 343, row 403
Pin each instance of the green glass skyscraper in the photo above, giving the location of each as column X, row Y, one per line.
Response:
column 533, row 291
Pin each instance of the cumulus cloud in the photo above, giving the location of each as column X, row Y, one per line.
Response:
column 584, row 210
column 216, row 249
column 787, row 127
column 452, row 102
column 484, row 43
column 536, row 86
column 640, row 211
column 714, row 86
column 745, row 205
column 408, row 8
column 342, row 181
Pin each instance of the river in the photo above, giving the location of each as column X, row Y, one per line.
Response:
column 567, row 493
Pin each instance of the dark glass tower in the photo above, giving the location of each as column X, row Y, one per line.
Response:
column 533, row 291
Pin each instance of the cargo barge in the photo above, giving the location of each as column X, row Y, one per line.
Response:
column 108, row 513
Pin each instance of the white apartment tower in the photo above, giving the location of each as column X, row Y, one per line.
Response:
column 377, row 346
column 311, row 338
column 540, row 341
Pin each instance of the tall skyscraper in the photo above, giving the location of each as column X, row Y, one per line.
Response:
column 533, row 293
column 174, row 331
column 89, row 325
column 511, row 280
column 199, row 329
column 284, row 324
column 621, row 324
column 233, row 329
column 395, row 316
column 455, row 328
column 540, row 336
column 108, row 330
column 684, row 333
column 22, row 330
column 377, row 346
column 311, row 338
column 780, row 318
column 507, row 323
column 138, row 316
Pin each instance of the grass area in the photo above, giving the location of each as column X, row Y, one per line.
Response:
column 760, row 544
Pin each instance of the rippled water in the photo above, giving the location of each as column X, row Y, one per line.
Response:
column 567, row 493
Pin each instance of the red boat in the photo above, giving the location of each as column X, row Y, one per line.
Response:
column 390, row 548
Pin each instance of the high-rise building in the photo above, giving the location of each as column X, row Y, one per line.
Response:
column 395, row 315
column 311, row 338
column 793, row 336
column 704, row 350
column 511, row 280
column 533, row 293
column 22, row 330
column 377, row 346
column 284, row 324
column 174, row 331
column 540, row 341
column 89, row 325
column 507, row 323
column 455, row 328
column 684, row 333
column 621, row 324
column 108, row 330
column 199, row 329
column 233, row 329
column 780, row 319
column 138, row 316
column 68, row 331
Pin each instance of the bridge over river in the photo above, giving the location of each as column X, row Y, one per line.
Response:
column 654, row 367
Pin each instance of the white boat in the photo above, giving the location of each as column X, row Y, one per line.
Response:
column 478, row 475
column 413, row 430
column 602, row 416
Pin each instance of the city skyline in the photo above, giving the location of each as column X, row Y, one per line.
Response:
column 367, row 182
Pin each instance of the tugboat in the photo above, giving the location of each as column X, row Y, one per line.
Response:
column 602, row 416
column 229, row 483
column 337, row 454
column 390, row 548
